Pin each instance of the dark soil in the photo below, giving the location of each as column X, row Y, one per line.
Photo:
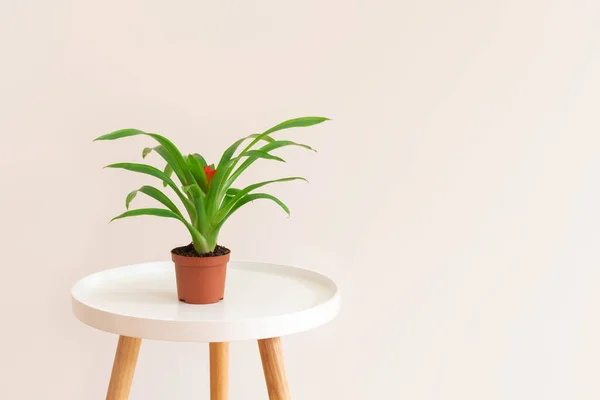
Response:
column 189, row 251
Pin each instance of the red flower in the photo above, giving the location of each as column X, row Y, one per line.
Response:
column 210, row 172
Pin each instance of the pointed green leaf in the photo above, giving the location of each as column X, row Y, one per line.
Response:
column 229, row 196
column 265, row 138
column 200, row 158
column 259, row 154
column 170, row 160
column 199, row 240
column 292, row 123
column 121, row 133
column 145, row 169
column 155, row 194
column 245, row 200
column 168, row 172
column 198, row 171
column 265, row 149
column 296, row 123
column 149, row 170
column 156, row 212
column 174, row 158
column 213, row 196
column 284, row 143
column 228, row 154
column 130, row 198
column 239, row 194
column 219, row 183
column 198, row 197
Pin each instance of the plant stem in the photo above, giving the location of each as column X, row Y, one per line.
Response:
column 202, row 247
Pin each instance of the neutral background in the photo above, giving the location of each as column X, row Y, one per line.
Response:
column 454, row 196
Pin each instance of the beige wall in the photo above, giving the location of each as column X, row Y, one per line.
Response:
column 455, row 195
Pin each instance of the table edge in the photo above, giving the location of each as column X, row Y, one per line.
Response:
column 210, row 331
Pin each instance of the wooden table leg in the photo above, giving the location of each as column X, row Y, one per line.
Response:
column 123, row 368
column 271, row 355
column 219, row 371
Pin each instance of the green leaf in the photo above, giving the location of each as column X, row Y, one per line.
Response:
column 198, row 171
column 219, row 183
column 265, row 138
column 256, row 196
column 259, row 154
column 265, row 149
column 155, row 194
column 247, row 199
column 200, row 158
column 168, row 172
column 229, row 196
column 145, row 169
column 148, row 170
column 197, row 238
column 170, row 160
column 284, row 143
column 213, row 196
column 157, row 212
column 146, row 151
column 130, row 198
column 175, row 158
column 120, row 134
column 238, row 194
column 228, row 154
column 291, row 123
column 296, row 123
column 198, row 197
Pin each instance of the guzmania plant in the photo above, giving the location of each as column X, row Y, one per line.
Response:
column 206, row 191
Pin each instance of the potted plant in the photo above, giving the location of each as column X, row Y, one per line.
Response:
column 208, row 197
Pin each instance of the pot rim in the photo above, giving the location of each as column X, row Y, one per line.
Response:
column 208, row 261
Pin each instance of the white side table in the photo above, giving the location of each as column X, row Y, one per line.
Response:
column 262, row 302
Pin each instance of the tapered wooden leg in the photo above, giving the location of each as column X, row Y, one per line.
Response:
column 219, row 371
column 123, row 368
column 271, row 355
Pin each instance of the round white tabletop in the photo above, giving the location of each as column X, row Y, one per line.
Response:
column 261, row 301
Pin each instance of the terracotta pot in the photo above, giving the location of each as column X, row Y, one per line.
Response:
column 200, row 280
